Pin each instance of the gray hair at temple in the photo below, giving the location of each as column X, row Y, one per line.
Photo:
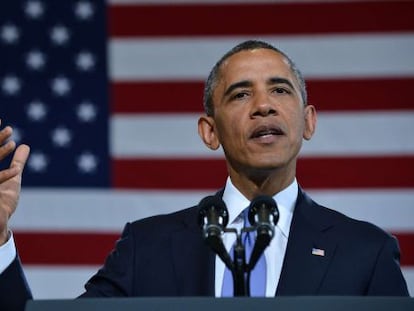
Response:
column 213, row 77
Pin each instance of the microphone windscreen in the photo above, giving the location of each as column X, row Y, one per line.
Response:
column 213, row 204
column 263, row 202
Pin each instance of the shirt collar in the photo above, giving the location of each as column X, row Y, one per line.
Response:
column 236, row 202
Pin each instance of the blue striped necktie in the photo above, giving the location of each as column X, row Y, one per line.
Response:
column 258, row 274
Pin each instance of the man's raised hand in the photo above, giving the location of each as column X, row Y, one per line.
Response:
column 10, row 178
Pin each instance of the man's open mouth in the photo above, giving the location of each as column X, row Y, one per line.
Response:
column 266, row 131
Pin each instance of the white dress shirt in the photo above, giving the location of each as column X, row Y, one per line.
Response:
column 7, row 253
column 275, row 252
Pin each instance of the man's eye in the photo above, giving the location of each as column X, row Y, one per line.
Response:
column 239, row 95
column 281, row 90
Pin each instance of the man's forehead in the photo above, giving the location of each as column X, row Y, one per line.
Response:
column 273, row 63
column 253, row 58
column 260, row 52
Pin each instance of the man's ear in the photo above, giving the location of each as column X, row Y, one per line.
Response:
column 206, row 130
column 310, row 122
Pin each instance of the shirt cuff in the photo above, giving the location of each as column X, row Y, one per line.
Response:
column 7, row 253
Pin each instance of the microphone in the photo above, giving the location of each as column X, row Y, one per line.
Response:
column 264, row 215
column 213, row 217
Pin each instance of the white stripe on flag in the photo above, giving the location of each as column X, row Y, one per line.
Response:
column 109, row 210
column 344, row 134
column 317, row 56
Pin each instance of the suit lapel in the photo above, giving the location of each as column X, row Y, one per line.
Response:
column 193, row 260
column 309, row 250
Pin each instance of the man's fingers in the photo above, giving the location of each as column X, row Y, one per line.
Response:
column 8, row 173
column 5, row 133
column 17, row 164
column 20, row 156
column 6, row 149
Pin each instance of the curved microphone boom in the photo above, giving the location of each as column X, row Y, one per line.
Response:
column 264, row 215
column 213, row 218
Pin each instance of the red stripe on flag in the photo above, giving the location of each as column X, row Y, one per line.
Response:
column 162, row 97
column 326, row 95
column 406, row 241
column 54, row 248
column 267, row 18
column 169, row 174
column 362, row 94
column 318, row 173
column 64, row 248
column 357, row 172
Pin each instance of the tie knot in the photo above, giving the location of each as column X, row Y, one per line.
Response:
column 248, row 237
column 246, row 217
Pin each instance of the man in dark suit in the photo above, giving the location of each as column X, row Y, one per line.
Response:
column 256, row 110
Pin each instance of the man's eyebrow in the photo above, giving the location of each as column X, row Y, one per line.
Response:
column 279, row 80
column 240, row 84
column 247, row 83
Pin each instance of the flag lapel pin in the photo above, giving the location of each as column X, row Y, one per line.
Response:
column 318, row 252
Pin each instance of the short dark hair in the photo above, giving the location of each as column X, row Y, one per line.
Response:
column 213, row 77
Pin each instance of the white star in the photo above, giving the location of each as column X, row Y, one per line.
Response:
column 11, row 85
column 84, row 10
column 85, row 61
column 36, row 111
column 59, row 35
column 35, row 60
column 34, row 9
column 86, row 111
column 61, row 86
column 37, row 162
column 10, row 34
column 16, row 135
column 61, row 136
column 87, row 162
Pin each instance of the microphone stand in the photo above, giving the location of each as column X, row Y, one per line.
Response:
column 240, row 269
column 239, row 264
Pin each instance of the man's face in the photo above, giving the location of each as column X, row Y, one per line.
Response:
column 259, row 117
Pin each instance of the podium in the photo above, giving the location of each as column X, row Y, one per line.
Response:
column 314, row 303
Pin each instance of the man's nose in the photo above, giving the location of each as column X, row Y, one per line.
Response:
column 263, row 106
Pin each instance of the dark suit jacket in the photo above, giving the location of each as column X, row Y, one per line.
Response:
column 166, row 256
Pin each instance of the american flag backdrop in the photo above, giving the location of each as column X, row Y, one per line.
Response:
column 107, row 94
